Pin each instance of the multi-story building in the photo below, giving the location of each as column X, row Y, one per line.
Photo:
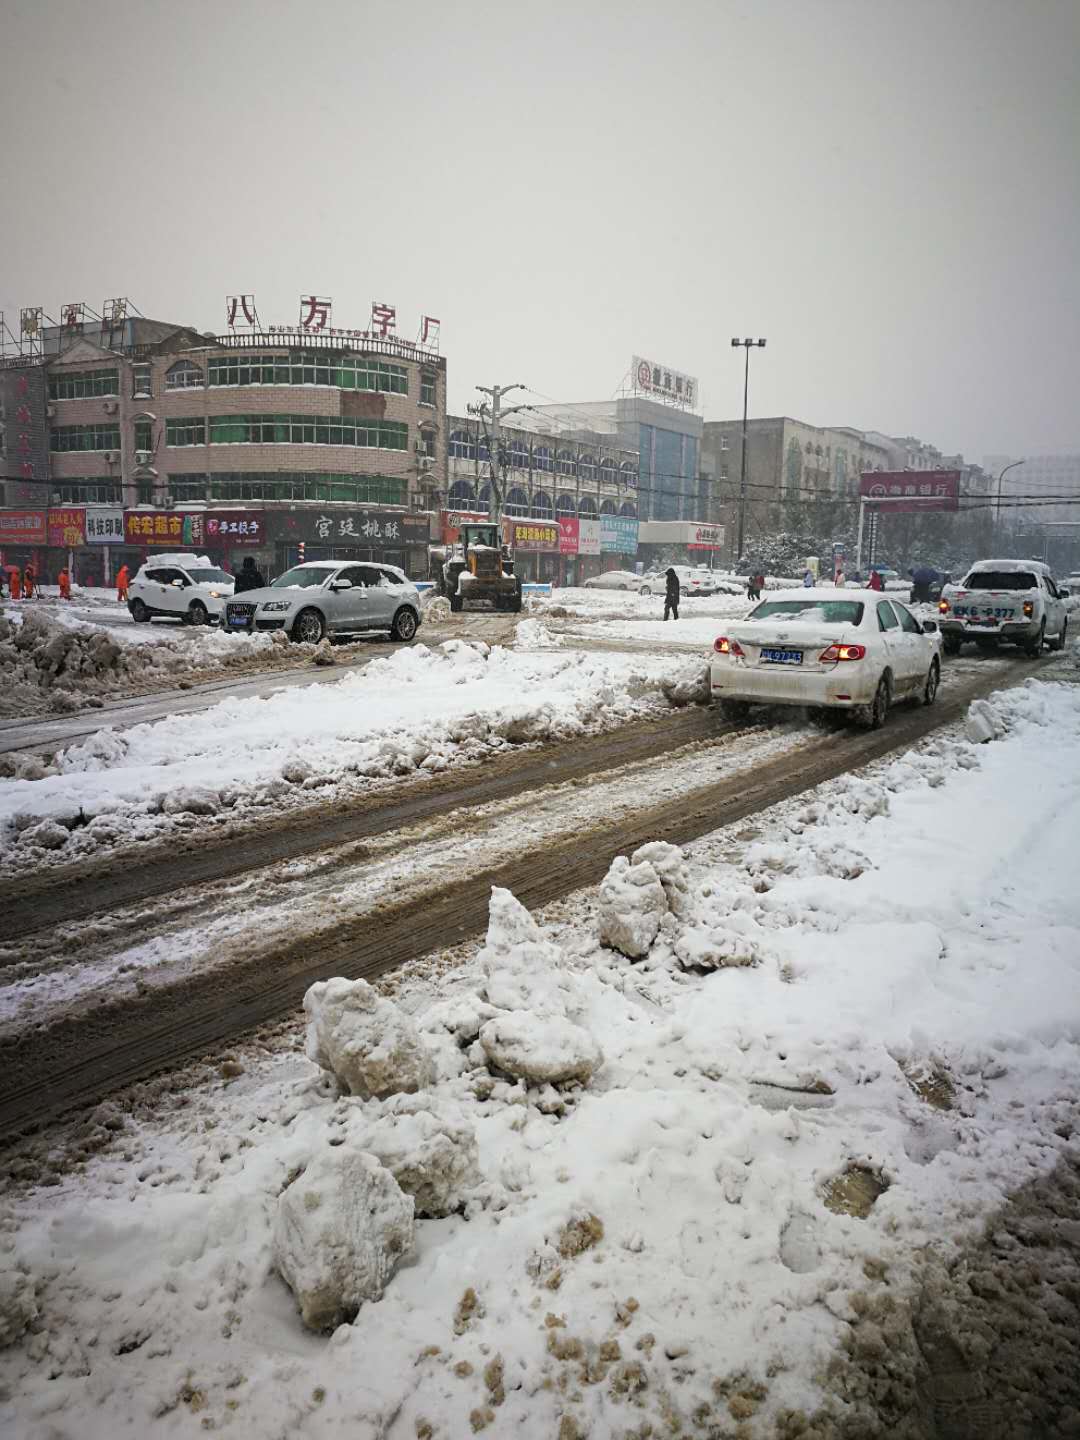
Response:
column 265, row 442
column 550, row 472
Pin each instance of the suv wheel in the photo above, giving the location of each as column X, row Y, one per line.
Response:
column 139, row 613
column 404, row 626
column 197, row 613
column 933, row 680
column 308, row 628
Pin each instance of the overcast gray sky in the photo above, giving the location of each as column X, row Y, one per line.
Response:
column 888, row 190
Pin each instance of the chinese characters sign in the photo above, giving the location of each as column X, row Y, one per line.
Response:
column 23, row 446
column 908, row 490
column 233, row 528
column 660, row 382
column 105, row 526
column 383, row 318
column 174, row 531
column 67, row 527
column 706, row 537
column 618, row 534
column 242, row 306
column 348, row 529
column 533, row 534
column 22, row 527
column 315, row 311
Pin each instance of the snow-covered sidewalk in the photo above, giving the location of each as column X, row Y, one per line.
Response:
column 854, row 1031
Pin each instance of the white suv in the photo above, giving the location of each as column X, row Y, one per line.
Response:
column 183, row 587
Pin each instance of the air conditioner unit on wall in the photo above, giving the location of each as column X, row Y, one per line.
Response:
column 112, row 456
column 142, row 456
column 110, row 407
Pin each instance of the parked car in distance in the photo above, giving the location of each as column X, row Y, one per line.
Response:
column 830, row 648
column 614, row 580
column 1016, row 602
column 330, row 597
column 692, row 581
column 180, row 587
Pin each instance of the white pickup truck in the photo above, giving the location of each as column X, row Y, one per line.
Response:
column 1011, row 601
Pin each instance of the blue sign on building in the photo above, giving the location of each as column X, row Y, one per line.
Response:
column 618, row 534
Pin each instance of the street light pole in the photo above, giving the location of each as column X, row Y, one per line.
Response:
column 744, row 344
column 997, row 509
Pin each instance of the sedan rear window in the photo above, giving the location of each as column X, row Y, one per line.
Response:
column 1001, row 580
column 828, row 612
column 302, row 578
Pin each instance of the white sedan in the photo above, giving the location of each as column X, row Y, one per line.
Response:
column 614, row 580
column 853, row 650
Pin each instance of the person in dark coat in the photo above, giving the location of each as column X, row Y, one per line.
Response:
column 671, row 594
column 249, row 578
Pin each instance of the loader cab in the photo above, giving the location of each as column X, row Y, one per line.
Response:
column 480, row 533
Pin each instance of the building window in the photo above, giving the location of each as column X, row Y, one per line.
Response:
column 140, row 380
column 305, row 367
column 462, row 494
column 188, row 489
column 304, row 485
column 723, row 472
column 144, row 492
column 184, row 376
column 462, row 445
column 541, row 505
column 83, row 384
column 608, row 472
column 186, row 432
column 427, row 388
column 565, row 505
column 724, row 442
column 608, row 507
column 628, row 473
column 88, row 492
column 308, row 430
column 517, row 455
column 587, row 507
column 427, row 442
column 587, row 468
column 517, row 502
column 564, row 462
column 84, row 437
column 628, row 508
column 144, row 435
column 542, row 459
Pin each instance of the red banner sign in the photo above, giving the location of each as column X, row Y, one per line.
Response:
column 23, row 527
column 452, row 521
column 177, row 532
column 568, row 535
column 908, row 490
column 67, row 528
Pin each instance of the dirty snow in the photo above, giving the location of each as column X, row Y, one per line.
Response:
column 771, row 1152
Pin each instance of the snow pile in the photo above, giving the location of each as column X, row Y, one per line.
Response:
column 428, row 1145
column 532, row 635
column 535, row 1034
column 636, row 895
column 364, row 1041
column 60, row 663
column 342, row 1228
column 983, row 723
column 415, row 712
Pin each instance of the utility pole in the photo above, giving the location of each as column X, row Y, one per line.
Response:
column 744, row 344
column 496, row 414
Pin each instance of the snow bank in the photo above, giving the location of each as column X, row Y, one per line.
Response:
column 364, row 1041
column 632, row 905
column 342, row 1228
column 428, row 1145
column 417, row 711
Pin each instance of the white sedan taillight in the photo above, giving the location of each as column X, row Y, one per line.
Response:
column 842, row 652
column 723, row 646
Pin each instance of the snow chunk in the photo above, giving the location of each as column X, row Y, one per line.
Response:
column 18, row 1305
column 191, row 800
column 699, row 948
column 632, row 905
column 340, row 1232
column 532, row 635
column 983, row 723
column 366, row 1042
column 48, row 834
column 542, row 1049
column 429, row 1147
column 669, row 862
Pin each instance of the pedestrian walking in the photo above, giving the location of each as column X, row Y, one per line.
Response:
column 123, row 580
column 875, row 582
column 754, row 587
column 29, row 578
column 64, row 581
column 671, row 595
column 250, row 577
column 14, row 582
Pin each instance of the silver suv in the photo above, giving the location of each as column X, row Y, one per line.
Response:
column 330, row 597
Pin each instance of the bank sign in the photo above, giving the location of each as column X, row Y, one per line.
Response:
column 660, row 382
column 910, row 490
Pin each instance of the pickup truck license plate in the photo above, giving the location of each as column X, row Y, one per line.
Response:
column 781, row 657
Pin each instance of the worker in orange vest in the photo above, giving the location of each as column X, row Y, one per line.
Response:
column 14, row 582
column 123, row 577
column 29, row 577
column 65, row 584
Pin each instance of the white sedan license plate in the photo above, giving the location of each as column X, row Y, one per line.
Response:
column 781, row 657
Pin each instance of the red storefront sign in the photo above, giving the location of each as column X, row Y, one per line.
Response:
column 233, row 527
column 67, row 528
column 568, row 535
column 23, row 527
column 706, row 537
column 534, row 535
column 908, row 490
column 170, row 531
column 452, row 521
